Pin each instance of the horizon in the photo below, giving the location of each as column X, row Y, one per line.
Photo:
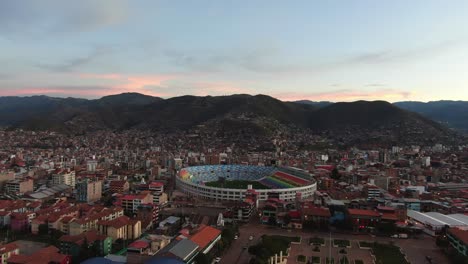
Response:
column 332, row 51
column 166, row 98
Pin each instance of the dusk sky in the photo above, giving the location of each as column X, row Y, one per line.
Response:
column 315, row 50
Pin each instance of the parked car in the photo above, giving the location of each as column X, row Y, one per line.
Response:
column 217, row 260
column 250, row 238
column 236, row 237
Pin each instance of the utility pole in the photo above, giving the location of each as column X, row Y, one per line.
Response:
column 329, row 250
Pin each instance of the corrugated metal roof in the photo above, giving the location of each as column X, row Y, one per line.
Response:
column 184, row 249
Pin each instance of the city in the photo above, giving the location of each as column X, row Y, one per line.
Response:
column 233, row 132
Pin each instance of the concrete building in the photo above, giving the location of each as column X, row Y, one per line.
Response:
column 130, row 203
column 120, row 228
column 64, row 177
column 88, row 191
column 19, row 186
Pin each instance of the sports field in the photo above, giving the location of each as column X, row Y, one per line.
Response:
column 236, row 184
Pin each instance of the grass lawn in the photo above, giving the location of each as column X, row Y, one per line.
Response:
column 366, row 244
column 388, row 254
column 341, row 243
column 236, row 184
column 358, row 261
column 301, row 258
column 296, row 239
column 315, row 260
column 316, row 241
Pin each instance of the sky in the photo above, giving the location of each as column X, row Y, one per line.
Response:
column 292, row 50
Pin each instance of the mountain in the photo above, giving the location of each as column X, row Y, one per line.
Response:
column 453, row 114
column 364, row 121
column 314, row 103
column 346, row 122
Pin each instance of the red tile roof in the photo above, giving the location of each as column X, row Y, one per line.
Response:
column 8, row 248
column 460, row 234
column 362, row 212
column 205, row 236
column 43, row 256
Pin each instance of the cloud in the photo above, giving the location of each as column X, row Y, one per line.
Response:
column 345, row 95
column 62, row 91
column 34, row 18
column 132, row 83
column 75, row 63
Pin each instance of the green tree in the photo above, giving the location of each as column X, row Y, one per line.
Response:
column 202, row 259
column 43, row 229
column 335, row 174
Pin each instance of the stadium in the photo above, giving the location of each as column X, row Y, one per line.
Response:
column 231, row 182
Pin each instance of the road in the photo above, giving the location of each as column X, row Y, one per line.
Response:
column 415, row 249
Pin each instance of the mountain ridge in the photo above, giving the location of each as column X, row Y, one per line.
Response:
column 137, row 111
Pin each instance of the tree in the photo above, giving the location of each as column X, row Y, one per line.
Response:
column 202, row 259
column 272, row 220
column 43, row 229
column 335, row 174
column 287, row 219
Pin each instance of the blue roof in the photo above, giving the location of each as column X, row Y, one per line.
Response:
column 164, row 260
column 98, row 260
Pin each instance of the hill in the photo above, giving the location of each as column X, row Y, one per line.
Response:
column 453, row 114
column 259, row 114
column 377, row 121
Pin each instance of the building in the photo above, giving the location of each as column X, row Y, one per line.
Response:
column 120, row 228
column 458, row 239
column 184, row 250
column 206, row 237
column 119, row 186
column 130, row 203
column 8, row 250
column 6, row 176
column 72, row 245
column 434, row 222
column 372, row 191
column 145, row 248
column 91, row 165
column 88, row 191
column 281, row 182
column 19, row 186
column 316, row 217
column 169, row 226
column 64, row 177
column 363, row 220
column 45, row 255
column 156, row 187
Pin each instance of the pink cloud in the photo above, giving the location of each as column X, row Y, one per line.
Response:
column 346, row 95
column 219, row 88
column 131, row 83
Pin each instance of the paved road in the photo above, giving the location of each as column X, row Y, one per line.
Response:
column 415, row 249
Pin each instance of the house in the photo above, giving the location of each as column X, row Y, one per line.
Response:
column 119, row 186
column 315, row 217
column 143, row 249
column 206, row 237
column 8, row 250
column 19, row 222
column 45, row 255
column 120, row 228
column 363, row 220
column 72, row 245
